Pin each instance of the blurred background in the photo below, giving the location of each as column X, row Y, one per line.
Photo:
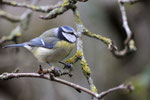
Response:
column 101, row 17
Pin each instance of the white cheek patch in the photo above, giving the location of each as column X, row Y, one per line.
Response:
column 64, row 29
column 43, row 42
column 69, row 37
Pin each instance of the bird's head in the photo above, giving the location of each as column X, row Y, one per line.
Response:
column 67, row 33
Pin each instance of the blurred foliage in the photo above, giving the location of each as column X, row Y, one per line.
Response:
column 142, row 84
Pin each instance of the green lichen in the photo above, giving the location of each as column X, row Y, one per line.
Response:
column 33, row 7
column 14, row 3
column 85, row 67
column 93, row 88
column 104, row 39
column 132, row 45
column 77, row 18
column 73, row 59
column 65, row 3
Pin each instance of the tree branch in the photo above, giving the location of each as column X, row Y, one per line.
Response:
column 9, row 17
column 51, row 77
column 65, row 6
column 20, row 28
column 85, row 68
column 127, row 86
column 33, row 7
column 129, row 45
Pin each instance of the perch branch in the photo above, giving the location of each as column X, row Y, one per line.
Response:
column 51, row 77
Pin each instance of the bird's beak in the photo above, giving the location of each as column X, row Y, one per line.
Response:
column 77, row 35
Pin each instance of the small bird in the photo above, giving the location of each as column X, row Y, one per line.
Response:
column 52, row 46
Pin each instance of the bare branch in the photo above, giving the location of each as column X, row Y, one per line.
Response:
column 129, row 42
column 51, row 77
column 126, row 86
column 7, row 76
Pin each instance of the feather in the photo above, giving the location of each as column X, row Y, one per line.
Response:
column 14, row 45
column 47, row 42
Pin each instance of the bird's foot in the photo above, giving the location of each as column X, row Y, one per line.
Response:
column 67, row 66
column 57, row 72
column 53, row 70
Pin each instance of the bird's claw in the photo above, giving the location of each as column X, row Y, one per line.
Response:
column 67, row 66
column 57, row 72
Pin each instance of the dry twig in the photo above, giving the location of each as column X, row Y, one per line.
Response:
column 51, row 77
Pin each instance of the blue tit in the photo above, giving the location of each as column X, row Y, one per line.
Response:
column 53, row 45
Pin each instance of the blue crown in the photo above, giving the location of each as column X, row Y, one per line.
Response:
column 67, row 28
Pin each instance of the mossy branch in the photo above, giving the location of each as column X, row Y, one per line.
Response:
column 84, row 65
column 40, row 8
column 78, row 55
column 9, row 16
column 66, row 5
column 23, row 23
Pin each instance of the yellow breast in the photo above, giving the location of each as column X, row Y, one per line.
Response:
column 65, row 45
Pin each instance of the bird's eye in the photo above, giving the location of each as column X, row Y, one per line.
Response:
column 71, row 33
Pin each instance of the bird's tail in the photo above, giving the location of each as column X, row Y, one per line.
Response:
column 14, row 45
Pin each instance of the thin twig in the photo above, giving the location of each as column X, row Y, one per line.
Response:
column 126, row 86
column 129, row 42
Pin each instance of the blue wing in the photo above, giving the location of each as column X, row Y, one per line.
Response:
column 48, row 42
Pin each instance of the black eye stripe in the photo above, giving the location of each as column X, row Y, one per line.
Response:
column 72, row 33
